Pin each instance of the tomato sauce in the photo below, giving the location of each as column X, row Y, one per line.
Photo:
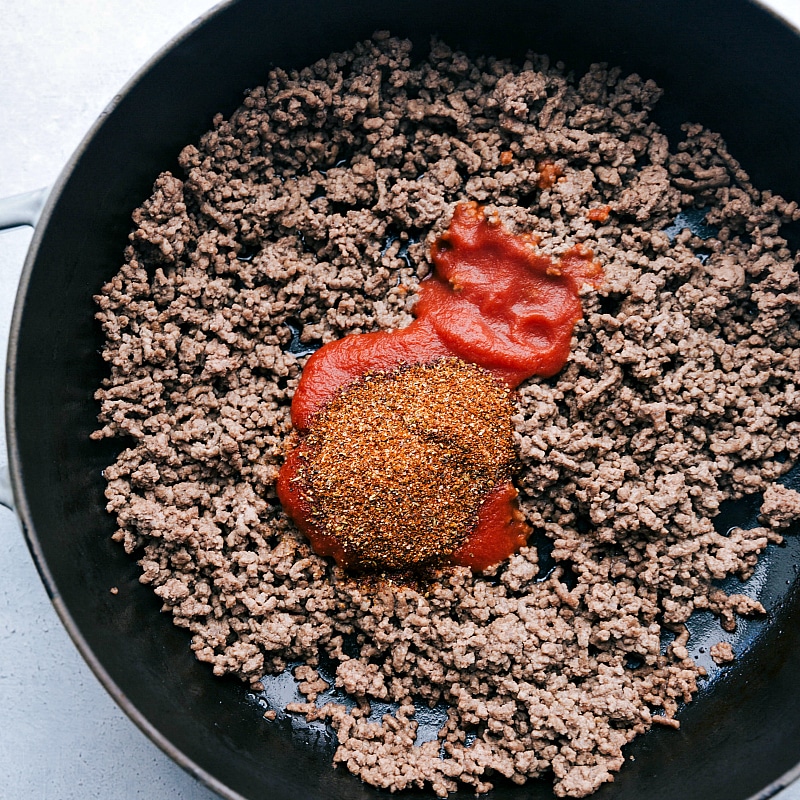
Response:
column 500, row 531
column 599, row 214
column 549, row 173
column 297, row 505
column 493, row 300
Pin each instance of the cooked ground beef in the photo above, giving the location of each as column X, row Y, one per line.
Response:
column 722, row 653
column 307, row 216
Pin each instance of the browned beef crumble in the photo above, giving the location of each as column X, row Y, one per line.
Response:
column 307, row 216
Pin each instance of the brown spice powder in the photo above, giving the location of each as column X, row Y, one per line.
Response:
column 397, row 465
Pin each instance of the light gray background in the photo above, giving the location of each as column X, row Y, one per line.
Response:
column 61, row 736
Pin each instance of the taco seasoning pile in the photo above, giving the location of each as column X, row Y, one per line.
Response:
column 310, row 215
column 393, row 474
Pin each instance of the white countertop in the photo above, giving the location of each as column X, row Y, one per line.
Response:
column 62, row 737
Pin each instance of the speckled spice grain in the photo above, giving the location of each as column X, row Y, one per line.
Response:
column 397, row 465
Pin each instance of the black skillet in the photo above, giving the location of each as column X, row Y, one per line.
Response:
column 731, row 65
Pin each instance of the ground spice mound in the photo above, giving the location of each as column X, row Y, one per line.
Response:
column 308, row 215
column 397, row 465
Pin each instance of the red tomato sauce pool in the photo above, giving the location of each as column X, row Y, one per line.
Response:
column 493, row 300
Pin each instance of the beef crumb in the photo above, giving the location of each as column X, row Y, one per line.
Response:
column 722, row 653
column 306, row 216
column 780, row 506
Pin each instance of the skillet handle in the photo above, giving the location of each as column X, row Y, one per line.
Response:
column 22, row 209
column 6, row 492
column 16, row 211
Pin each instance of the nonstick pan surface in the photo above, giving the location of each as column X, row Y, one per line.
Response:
column 729, row 65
